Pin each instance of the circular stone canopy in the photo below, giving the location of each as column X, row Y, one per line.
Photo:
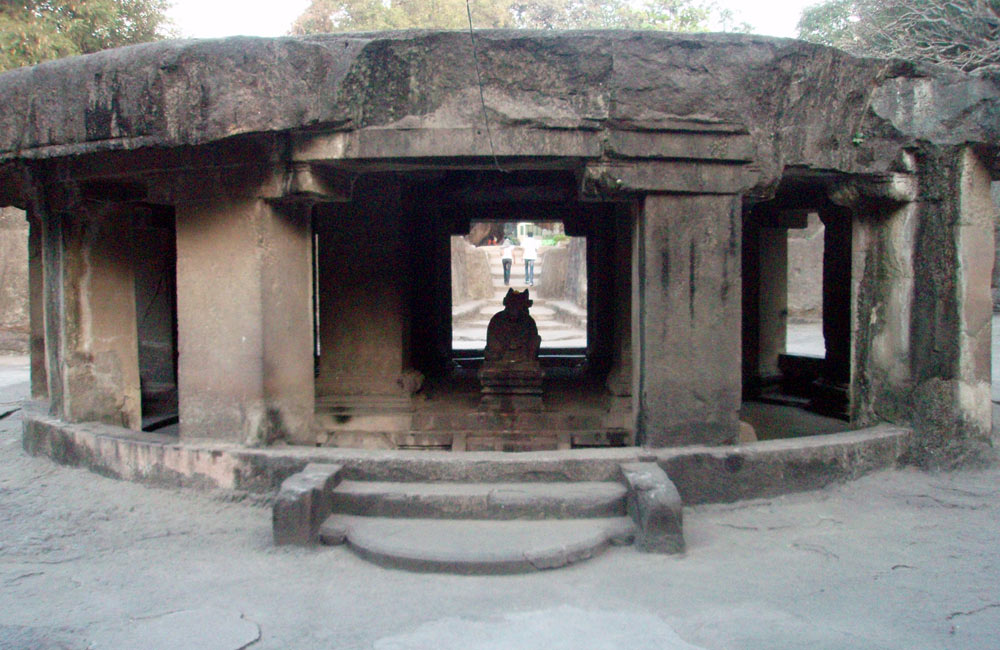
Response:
column 795, row 104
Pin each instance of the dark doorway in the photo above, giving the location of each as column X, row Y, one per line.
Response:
column 154, row 240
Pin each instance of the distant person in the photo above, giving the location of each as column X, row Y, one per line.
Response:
column 530, row 247
column 507, row 259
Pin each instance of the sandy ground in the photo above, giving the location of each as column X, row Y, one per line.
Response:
column 899, row 559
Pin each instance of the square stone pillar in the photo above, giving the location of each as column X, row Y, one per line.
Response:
column 36, row 309
column 244, row 321
column 976, row 250
column 773, row 307
column 90, row 340
column 882, row 289
column 364, row 304
column 686, row 337
column 619, row 379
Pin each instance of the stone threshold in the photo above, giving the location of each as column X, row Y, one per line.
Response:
column 702, row 474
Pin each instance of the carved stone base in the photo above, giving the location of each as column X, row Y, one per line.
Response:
column 510, row 387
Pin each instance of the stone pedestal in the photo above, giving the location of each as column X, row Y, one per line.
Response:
column 511, row 376
column 514, row 388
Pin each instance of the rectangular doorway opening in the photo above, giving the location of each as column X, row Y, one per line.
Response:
column 796, row 317
column 536, row 256
column 154, row 237
column 804, row 304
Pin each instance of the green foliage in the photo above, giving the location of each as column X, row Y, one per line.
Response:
column 32, row 31
column 828, row 23
column 363, row 15
column 963, row 34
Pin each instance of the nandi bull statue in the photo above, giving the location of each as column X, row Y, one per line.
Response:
column 511, row 376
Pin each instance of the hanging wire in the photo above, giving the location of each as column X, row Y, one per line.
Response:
column 482, row 97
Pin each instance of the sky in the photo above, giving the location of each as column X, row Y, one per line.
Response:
column 217, row 18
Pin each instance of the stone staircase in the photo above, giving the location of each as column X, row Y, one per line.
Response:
column 504, row 523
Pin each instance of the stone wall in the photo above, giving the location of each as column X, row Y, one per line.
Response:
column 13, row 281
column 805, row 271
column 564, row 275
column 470, row 272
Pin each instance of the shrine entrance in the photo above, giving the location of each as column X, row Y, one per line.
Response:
column 403, row 298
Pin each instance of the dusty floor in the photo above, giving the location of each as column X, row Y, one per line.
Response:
column 895, row 560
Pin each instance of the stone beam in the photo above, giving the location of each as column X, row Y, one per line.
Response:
column 876, row 188
column 715, row 146
column 402, row 143
column 614, row 181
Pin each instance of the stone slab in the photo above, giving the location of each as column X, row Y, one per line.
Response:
column 495, row 501
column 568, row 85
column 478, row 547
column 655, row 507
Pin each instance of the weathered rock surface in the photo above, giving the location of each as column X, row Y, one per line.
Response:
column 779, row 91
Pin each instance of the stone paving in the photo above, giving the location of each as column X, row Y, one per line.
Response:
column 897, row 559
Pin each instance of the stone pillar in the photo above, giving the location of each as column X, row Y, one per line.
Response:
column 244, row 320
column 976, row 250
column 837, row 293
column 995, row 284
column 364, row 363
column 36, row 309
column 750, row 290
column 922, row 356
column 619, row 381
column 686, row 320
column 287, row 332
column 882, row 288
column 90, row 316
column 773, row 306
column 52, row 308
column 831, row 390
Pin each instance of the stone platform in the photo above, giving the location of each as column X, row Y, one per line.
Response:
column 448, row 415
column 702, row 474
column 480, row 484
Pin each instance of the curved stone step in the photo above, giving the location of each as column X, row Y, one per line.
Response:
column 496, row 501
column 475, row 546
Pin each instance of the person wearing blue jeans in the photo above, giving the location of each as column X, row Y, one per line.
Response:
column 507, row 259
column 530, row 247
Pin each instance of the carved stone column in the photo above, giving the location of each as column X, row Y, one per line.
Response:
column 244, row 297
column 686, row 320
